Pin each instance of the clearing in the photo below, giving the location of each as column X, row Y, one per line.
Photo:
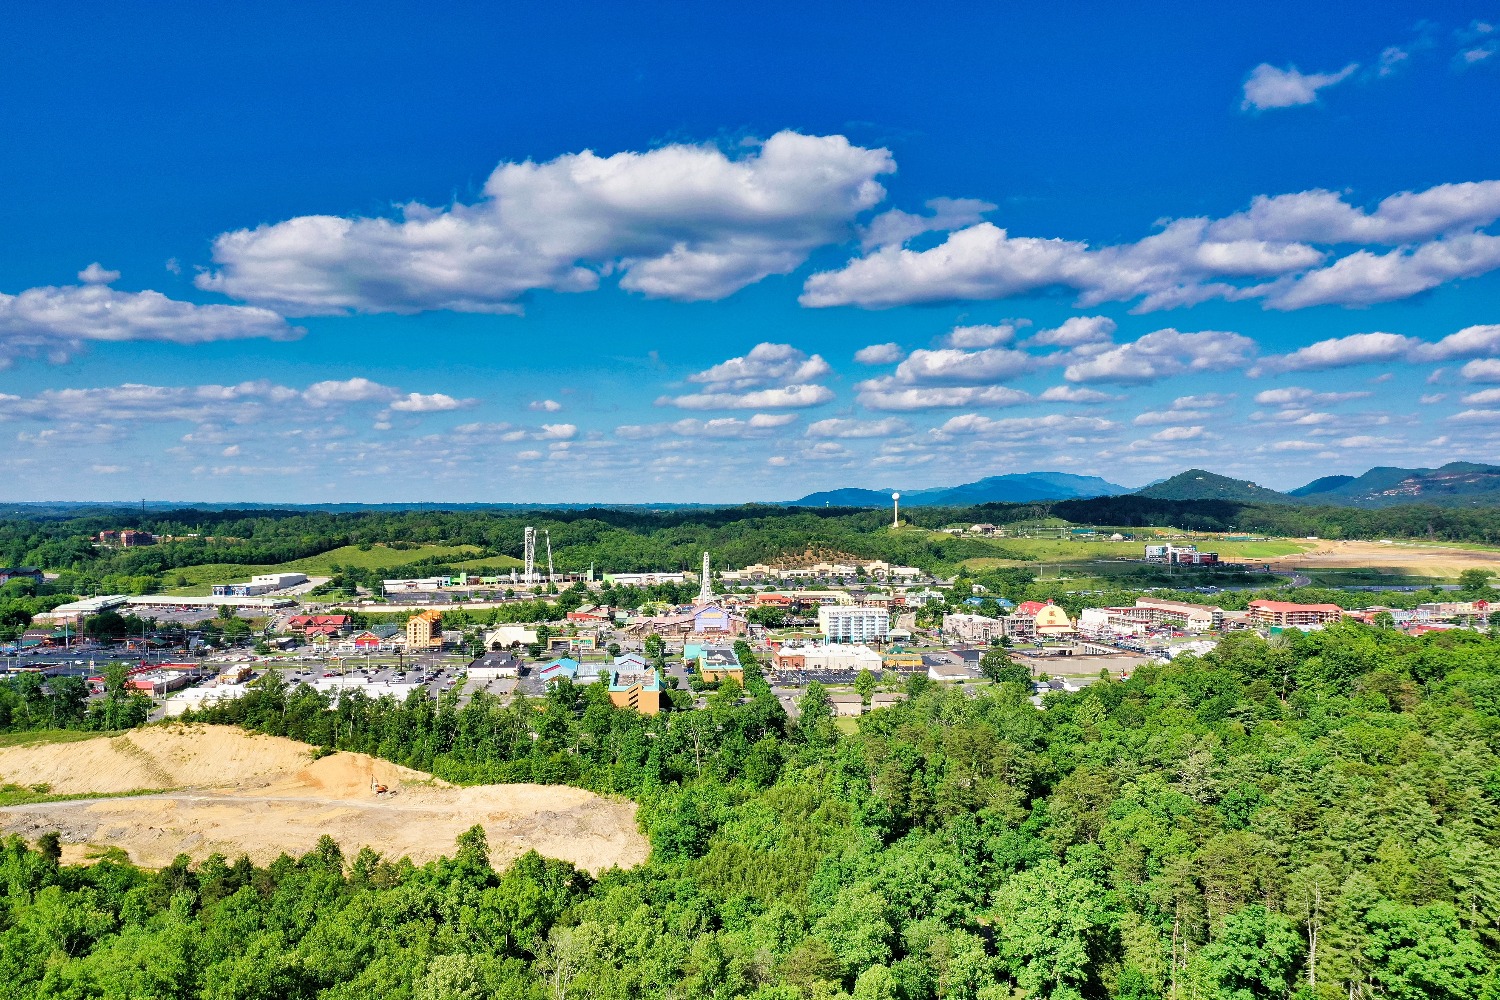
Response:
column 218, row 789
column 1394, row 558
column 201, row 578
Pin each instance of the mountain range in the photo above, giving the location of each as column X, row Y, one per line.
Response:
column 1015, row 487
column 1457, row 484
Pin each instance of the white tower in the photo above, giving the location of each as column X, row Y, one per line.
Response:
column 551, row 576
column 895, row 510
column 705, row 589
column 530, row 556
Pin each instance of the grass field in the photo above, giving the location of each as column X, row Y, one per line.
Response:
column 1021, row 551
column 202, row 578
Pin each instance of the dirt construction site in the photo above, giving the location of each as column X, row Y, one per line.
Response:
column 200, row 790
column 1395, row 557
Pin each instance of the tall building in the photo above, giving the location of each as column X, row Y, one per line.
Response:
column 705, row 585
column 847, row 623
column 424, row 630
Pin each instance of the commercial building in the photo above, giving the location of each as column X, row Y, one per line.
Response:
column 313, row 626
column 643, row 579
column 714, row 662
column 635, row 686
column 127, row 538
column 1285, row 614
column 974, row 628
column 1151, row 613
column 424, row 630
column 76, row 611
column 842, row 623
column 1047, row 620
column 492, row 666
column 559, row 669
column 510, row 635
column 266, row 583
column 833, row 657
column 1180, row 555
column 9, row 573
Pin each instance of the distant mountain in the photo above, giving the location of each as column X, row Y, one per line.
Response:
column 1196, row 484
column 1322, row 485
column 1015, row 487
column 1457, row 484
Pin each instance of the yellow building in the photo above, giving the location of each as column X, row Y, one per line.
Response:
column 637, row 690
column 425, row 630
column 903, row 661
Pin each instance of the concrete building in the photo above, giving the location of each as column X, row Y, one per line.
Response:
column 838, row 657
column 424, row 630
column 715, row 662
column 510, row 635
column 841, row 623
column 1285, row 614
column 492, row 666
column 847, row 705
column 636, row 688
column 643, row 579
column 266, row 583
column 1048, row 619
column 973, row 628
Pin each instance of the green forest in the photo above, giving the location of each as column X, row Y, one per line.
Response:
column 1312, row 816
column 628, row 540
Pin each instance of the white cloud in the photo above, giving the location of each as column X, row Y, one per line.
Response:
column 1483, row 397
column 1367, row 348
column 544, row 405
column 1161, row 354
column 1391, row 59
column 888, row 395
column 98, row 274
column 949, row 366
column 1075, row 394
column 1270, row 87
column 437, row 402
column 1023, row 427
column 1483, row 370
column 1179, row 433
column 763, row 365
column 879, row 354
column 896, row 227
column 1077, row 331
column 1296, row 395
column 837, row 427
column 1476, row 417
column 787, row 397
column 680, row 222
column 761, row 425
column 1278, row 241
column 56, row 321
column 980, row 336
column 354, row 390
column 480, row 433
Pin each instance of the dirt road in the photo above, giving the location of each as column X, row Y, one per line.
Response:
column 278, row 800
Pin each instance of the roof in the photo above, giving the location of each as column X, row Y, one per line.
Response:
column 1287, row 606
column 1031, row 607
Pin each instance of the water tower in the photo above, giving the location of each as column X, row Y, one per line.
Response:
column 895, row 510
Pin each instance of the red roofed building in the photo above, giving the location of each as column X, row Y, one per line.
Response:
column 1284, row 614
column 316, row 625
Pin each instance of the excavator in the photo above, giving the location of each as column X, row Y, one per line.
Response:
column 378, row 788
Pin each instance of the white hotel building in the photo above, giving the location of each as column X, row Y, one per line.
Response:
column 847, row 623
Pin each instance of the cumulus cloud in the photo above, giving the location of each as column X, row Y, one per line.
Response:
column 1077, row 331
column 785, row 397
column 879, row 354
column 1298, row 396
column 1276, row 251
column 1482, row 370
column 896, row 226
column 838, row 427
column 1075, row 394
column 980, row 336
column 1179, row 433
column 241, row 403
column 1367, row 348
column 761, row 425
column 1161, row 354
column 480, row 433
column 1270, row 87
column 952, row 366
column 763, row 365
column 544, row 405
column 685, row 222
column 1023, row 427
column 885, row 394
column 1483, row 397
column 56, row 321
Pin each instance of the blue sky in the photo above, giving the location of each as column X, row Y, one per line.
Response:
column 395, row 253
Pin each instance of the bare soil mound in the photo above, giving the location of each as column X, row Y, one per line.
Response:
column 237, row 793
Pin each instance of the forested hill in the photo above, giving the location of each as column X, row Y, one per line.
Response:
column 622, row 541
column 1311, row 818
